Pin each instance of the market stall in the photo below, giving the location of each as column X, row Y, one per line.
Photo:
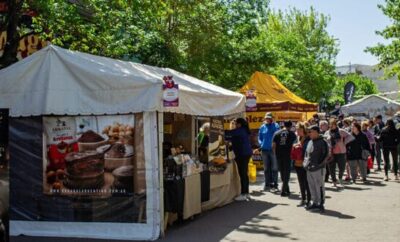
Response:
column 265, row 93
column 87, row 143
column 370, row 106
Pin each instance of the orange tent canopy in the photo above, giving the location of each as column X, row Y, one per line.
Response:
column 272, row 96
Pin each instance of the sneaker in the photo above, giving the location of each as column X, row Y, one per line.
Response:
column 347, row 178
column 248, row 197
column 284, row 194
column 334, row 184
column 322, row 208
column 313, row 206
column 267, row 188
column 241, row 198
column 386, row 178
column 274, row 190
column 303, row 203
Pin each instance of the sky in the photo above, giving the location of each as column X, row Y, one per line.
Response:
column 353, row 23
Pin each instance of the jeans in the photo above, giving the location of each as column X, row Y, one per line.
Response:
column 378, row 149
column 270, row 168
column 340, row 160
column 302, row 178
column 284, row 164
column 317, row 186
column 362, row 165
column 394, row 154
column 243, row 167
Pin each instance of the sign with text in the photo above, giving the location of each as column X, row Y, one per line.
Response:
column 170, row 92
column 251, row 101
column 89, row 156
column 217, row 155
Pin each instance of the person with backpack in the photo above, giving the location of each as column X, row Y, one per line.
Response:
column 338, row 139
column 317, row 153
column 282, row 145
column 390, row 138
column 357, row 153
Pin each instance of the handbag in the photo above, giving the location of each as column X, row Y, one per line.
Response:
column 365, row 154
column 297, row 152
column 370, row 163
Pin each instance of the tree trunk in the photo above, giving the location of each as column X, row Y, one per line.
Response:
column 11, row 48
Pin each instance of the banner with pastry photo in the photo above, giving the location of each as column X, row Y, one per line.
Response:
column 217, row 155
column 89, row 156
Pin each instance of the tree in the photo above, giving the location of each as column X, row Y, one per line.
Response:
column 305, row 52
column 389, row 55
column 364, row 86
column 221, row 41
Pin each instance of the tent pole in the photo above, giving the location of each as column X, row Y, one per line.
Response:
column 160, row 119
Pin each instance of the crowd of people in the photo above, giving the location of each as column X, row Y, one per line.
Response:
column 315, row 150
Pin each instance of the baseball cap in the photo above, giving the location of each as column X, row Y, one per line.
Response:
column 314, row 127
column 269, row 115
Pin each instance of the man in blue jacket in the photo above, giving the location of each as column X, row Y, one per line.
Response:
column 265, row 136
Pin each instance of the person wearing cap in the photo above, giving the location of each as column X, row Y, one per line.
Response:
column 265, row 136
column 317, row 153
column 282, row 145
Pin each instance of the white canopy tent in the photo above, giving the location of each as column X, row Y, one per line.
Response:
column 370, row 106
column 56, row 81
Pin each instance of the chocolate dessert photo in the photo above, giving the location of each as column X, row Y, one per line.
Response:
column 89, row 156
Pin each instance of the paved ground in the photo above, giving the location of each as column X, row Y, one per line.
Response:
column 358, row 213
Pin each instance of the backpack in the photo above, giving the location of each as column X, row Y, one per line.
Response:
column 326, row 160
column 328, row 153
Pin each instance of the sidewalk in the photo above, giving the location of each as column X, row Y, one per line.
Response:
column 358, row 213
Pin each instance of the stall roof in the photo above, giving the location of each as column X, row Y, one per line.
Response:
column 273, row 94
column 370, row 106
column 374, row 97
column 56, row 81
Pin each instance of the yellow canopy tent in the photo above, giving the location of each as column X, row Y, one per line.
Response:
column 265, row 93
column 271, row 96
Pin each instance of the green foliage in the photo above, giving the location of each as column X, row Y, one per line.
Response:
column 389, row 55
column 221, row 41
column 364, row 86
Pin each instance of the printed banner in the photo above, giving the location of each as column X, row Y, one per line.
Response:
column 256, row 119
column 286, row 106
column 89, row 156
column 170, row 92
column 251, row 101
column 217, row 155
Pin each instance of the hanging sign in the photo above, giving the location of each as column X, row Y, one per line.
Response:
column 170, row 92
column 251, row 101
